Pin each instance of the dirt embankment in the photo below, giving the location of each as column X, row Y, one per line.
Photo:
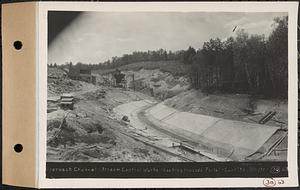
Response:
column 153, row 82
column 161, row 85
column 91, row 133
column 230, row 106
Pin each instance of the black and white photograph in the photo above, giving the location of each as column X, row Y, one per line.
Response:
column 159, row 87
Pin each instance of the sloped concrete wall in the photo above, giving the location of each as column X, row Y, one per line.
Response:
column 128, row 108
column 227, row 138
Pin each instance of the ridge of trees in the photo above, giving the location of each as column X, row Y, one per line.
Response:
column 136, row 56
column 251, row 64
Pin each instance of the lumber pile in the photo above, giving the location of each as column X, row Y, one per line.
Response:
column 67, row 101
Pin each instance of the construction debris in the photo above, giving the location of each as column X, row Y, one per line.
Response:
column 51, row 109
column 67, row 101
column 267, row 117
column 59, row 83
column 125, row 118
column 272, row 148
column 52, row 104
column 63, row 135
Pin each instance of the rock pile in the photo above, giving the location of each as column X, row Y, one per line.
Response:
column 60, row 86
column 59, row 83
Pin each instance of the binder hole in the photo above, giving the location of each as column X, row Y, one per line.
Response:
column 18, row 148
column 18, row 45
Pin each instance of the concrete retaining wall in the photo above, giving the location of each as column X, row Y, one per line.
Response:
column 233, row 139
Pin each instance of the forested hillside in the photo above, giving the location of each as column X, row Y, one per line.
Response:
column 251, row 64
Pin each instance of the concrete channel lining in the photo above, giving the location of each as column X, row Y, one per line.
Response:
column 240, row 138
column 195, row 123
column 240, row 134
column 234, row 140
column 161, row 112
column 130, row 107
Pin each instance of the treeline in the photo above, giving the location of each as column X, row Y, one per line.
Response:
column 137, row 56
column 141, row 56
column 249, row 64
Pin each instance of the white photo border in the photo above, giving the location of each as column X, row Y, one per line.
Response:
column 42, row 9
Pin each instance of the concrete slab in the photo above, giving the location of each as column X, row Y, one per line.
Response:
column 192, row 122
column 240, row 134
column 160, row 111
column 228, row 138
column 244, row 138
column 232, row 140
column 128, row 108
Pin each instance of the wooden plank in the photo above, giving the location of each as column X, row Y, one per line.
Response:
column 267, row 117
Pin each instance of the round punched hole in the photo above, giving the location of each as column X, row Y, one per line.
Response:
column 18, row 148
column 18, row 45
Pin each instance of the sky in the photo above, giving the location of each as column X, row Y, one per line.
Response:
column 94, row 37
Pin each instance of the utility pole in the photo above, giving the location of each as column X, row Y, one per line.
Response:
column 133, row 82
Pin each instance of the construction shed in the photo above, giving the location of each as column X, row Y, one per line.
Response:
column 77, row 73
